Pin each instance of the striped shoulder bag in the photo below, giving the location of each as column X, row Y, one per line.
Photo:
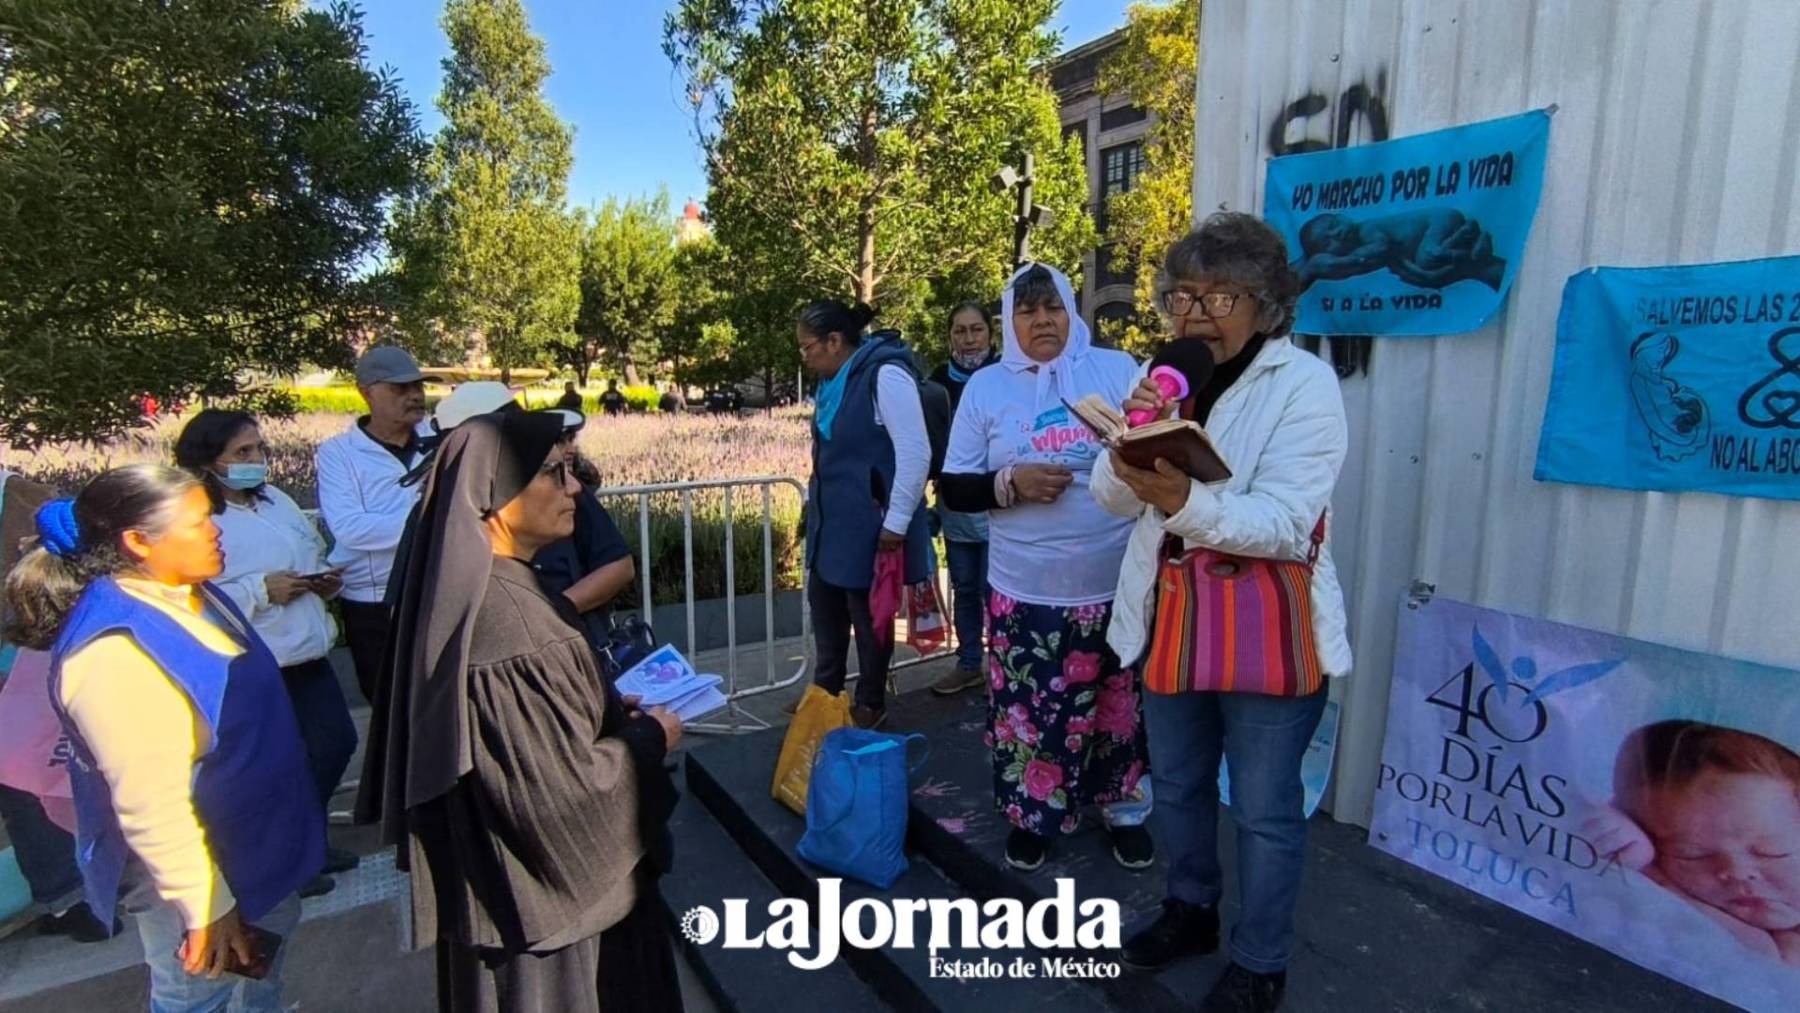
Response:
column 1233, row 624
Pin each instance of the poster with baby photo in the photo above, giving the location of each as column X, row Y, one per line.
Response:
column 1421, row 235
column 1644, row 798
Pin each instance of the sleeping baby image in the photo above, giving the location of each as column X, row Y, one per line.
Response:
column 1712, row 815
column 1428, row 249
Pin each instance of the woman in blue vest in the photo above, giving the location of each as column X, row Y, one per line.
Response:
column 871, row 456
column 192, row 793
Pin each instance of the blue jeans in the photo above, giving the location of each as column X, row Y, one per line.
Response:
column 45, row 851
column 173, row 990
column 968, row 583
column 325, row 723
column 1264, row 739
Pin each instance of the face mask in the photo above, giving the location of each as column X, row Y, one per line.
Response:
column 971, row 360
column 244, row 477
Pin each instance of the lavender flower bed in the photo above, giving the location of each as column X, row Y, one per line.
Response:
column 629, row 451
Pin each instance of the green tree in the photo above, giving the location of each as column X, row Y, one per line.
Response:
column 849, row 145
column 490, row 249
column 761, row 302
column 627, row 284
column 187, row 190
column 1156, row 68
column 701, row 341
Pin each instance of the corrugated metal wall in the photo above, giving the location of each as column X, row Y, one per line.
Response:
column 1675, row 142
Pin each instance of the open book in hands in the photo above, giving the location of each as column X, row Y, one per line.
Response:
column 1178, row 441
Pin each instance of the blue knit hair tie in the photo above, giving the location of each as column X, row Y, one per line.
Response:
column 58, row 529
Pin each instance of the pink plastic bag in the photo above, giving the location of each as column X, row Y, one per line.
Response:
column 34, row 752
column 885, row 593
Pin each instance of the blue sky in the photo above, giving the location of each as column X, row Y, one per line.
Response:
column 611, row 80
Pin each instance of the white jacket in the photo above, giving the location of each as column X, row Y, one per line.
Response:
column 266, row 538
column 364, row 506
column 1281, row 429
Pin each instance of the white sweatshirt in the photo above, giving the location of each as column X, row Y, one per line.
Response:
column 364, row 506
column 899, row 411
column 267, row 537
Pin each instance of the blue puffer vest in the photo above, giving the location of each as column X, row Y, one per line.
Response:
column 255, row 799
column 846, row 500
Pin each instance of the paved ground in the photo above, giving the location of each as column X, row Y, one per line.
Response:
column 347, row 955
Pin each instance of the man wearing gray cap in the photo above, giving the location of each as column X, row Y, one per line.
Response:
column 364, row 503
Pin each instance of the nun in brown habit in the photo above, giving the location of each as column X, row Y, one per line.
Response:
column 527, row 796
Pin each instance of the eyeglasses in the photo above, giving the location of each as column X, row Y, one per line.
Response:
column 1213, row 305
column 558, row 471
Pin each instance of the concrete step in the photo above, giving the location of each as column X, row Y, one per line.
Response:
column 710, row 867
column 731, row 779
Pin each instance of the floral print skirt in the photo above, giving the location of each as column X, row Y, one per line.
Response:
column 1065, row 722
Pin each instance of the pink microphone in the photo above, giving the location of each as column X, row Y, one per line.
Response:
column 1174, row 387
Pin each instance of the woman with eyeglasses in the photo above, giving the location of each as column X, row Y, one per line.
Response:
column 593, row 566
column 1277, row 417
column 528, row 797
column 871, row 454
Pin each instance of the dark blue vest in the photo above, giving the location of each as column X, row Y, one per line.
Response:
column 255, row 799
column 853, row 473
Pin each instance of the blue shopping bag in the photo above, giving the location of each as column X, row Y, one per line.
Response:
column 856, row 805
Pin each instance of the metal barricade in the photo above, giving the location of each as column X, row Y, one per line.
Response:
column 774, row 677
column 736, row 687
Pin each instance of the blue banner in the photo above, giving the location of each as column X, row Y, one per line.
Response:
column 1416, row 236
column 1678, row 379
column 1644, row 798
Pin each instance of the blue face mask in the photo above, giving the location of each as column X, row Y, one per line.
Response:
column 244, row 477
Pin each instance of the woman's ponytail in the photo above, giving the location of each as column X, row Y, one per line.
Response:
column 862, row 315
column 40, row 591
column 830, row 316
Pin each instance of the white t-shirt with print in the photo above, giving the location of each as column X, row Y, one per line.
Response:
column 1065, row 553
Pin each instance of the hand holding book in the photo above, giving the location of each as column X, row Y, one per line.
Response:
column 1166, row 488
column 1181, row 443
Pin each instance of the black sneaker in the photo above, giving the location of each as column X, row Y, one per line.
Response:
column 338, row 860
column 1025, row 850
column 318, row 886
column 79, row 924
column 1132, row 847
column 1240, row 990
column 1181, row 930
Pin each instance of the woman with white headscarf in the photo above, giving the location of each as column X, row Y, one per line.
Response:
column 1063, row 716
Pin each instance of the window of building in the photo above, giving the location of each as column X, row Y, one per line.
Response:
column 1111, row 270
column 1116, row 310
column 1110, row 320
column 1077, row 130
column 1120, row 166
column 1124, row 116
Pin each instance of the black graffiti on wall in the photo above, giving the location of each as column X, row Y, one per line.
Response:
column 1360, row 103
